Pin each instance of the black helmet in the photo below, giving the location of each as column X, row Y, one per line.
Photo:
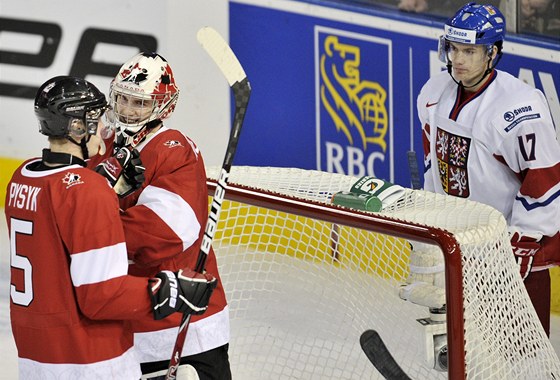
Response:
column 64, row 98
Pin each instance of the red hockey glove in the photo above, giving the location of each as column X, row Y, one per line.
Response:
column 185, row 291
column 524, row 249
column 123, row 170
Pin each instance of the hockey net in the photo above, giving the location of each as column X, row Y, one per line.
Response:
column 304, row 279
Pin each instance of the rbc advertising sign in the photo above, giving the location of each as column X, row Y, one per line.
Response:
column 353, row 98
column 335, row 90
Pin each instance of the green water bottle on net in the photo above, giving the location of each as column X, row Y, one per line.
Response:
column 363, row 202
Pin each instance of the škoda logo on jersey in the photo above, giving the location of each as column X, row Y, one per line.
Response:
column 352, row 123
column 71, row 179
column 518, row 115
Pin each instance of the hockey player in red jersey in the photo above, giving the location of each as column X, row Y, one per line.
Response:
column 164, row 220
column 489, row 137
column 70, row 292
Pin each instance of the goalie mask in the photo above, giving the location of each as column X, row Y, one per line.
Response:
column 63, row 99
column 143, row 93
column 474, row 24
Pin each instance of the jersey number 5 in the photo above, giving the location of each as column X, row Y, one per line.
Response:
column 527, row 145
column 24, row 297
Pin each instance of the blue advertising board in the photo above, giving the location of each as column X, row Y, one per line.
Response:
column 335, row 89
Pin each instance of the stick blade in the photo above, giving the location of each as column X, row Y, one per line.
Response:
column 378, row 354
column 221, row 53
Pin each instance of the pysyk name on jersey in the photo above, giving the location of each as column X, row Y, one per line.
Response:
column 23, row 196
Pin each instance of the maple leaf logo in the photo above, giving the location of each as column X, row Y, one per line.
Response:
column 172, row 143
column 71, row 179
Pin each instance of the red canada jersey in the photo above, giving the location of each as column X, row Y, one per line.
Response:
column 164, row 223
column 70, row 291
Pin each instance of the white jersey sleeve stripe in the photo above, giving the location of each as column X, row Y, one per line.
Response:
column 99, row 265
column 174, row 211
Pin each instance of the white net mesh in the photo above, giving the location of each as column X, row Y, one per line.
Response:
column 302, row 291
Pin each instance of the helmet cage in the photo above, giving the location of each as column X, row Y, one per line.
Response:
column 127, row 115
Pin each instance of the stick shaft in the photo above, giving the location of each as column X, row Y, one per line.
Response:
column 413, row 168
column 227, row 62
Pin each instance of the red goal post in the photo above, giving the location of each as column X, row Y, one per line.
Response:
column 278, row 227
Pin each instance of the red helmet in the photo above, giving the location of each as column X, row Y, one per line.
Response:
column 144, row 90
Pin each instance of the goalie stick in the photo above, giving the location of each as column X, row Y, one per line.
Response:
column 378, row 354
column 227, row 62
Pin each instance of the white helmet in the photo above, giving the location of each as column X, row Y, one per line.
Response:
column 144, row 90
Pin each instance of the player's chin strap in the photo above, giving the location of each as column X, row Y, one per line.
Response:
column 488, row 71
column 82, row 144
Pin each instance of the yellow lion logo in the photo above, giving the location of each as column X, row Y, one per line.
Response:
column 362, row 102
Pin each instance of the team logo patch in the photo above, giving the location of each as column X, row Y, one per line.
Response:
column 172, row 143
column 453, row 152
column 71, row 179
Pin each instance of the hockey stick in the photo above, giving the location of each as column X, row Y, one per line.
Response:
column 380, row 357
column 227, row 62
column 413, row 168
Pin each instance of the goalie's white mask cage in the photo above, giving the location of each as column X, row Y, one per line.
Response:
column 304, row 279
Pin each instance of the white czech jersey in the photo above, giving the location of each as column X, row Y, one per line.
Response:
column 496, row 146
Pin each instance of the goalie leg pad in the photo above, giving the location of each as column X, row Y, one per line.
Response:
column 423, row 294
column 425, row 284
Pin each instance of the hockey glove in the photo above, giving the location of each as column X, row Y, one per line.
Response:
column 185, row 291
column 524, row 248
column 123, row 170
column 425, row 284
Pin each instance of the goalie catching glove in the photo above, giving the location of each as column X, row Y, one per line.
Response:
column 186, row 291
column 123, row 170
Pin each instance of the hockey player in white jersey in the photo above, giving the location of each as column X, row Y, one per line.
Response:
column 490, row 137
